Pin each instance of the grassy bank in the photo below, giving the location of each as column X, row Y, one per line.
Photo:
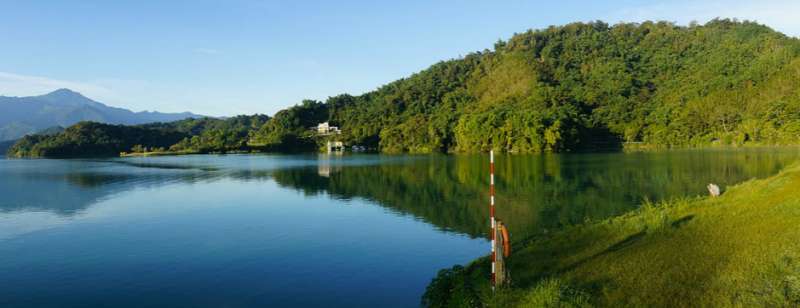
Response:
column 649, row 147
column 740, row 249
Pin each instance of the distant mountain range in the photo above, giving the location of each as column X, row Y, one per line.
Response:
column 20, row 116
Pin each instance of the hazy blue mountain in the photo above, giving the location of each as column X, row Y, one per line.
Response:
column 26, row 115
column 4, row 146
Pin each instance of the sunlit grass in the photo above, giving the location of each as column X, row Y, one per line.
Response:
column 739, row 249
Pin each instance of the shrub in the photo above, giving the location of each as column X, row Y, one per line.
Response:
column 554, row 293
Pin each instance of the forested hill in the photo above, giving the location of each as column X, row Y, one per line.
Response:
column 91, row 139
column 585, row 85
column 578, row 86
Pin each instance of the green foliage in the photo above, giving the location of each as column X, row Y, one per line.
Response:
column 590, row 85
column 736, row 250
column 290, row 130
column 653, row 218
column 793, row 289
column 89, row 139
column 93, row 139
column 208, row 135
column 552, row 293
column 450, row 288
column 578, row 86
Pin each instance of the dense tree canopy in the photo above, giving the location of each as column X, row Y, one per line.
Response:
column 289, row 129
column 93, row 139
column 578, row 86
column 212, row 135
column 589, row 85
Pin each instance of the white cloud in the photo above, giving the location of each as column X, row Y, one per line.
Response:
column 781, row 15
column 24, row 85
column 115, row 92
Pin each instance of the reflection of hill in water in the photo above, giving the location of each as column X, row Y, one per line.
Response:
column 534, row 192
column 69, row 186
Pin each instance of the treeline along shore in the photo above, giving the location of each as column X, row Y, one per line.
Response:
column 563, row 88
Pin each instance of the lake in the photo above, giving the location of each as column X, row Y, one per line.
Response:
column 306, row 230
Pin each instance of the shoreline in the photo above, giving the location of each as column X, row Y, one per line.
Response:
column 638, row 149
column 739, row 249
column 146, row 154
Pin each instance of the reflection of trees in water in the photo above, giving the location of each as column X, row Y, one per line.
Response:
column 67, row 192
column 534, row 192
column 450, row 192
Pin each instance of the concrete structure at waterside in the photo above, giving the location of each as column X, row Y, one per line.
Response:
column 325, row 129
column 335, row 146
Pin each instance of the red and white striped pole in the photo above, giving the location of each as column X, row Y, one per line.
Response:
column 491, row 214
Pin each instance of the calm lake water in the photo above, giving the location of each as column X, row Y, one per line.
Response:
column 305, row 230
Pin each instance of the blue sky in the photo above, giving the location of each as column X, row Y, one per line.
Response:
column 224, row 58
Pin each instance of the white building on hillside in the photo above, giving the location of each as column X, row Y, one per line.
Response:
column 326, row 129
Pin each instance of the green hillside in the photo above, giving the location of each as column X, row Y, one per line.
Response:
column 573, row 87
column 592, row 85
column 90, row 139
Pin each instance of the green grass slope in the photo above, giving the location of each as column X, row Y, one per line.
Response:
column 740, row 249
